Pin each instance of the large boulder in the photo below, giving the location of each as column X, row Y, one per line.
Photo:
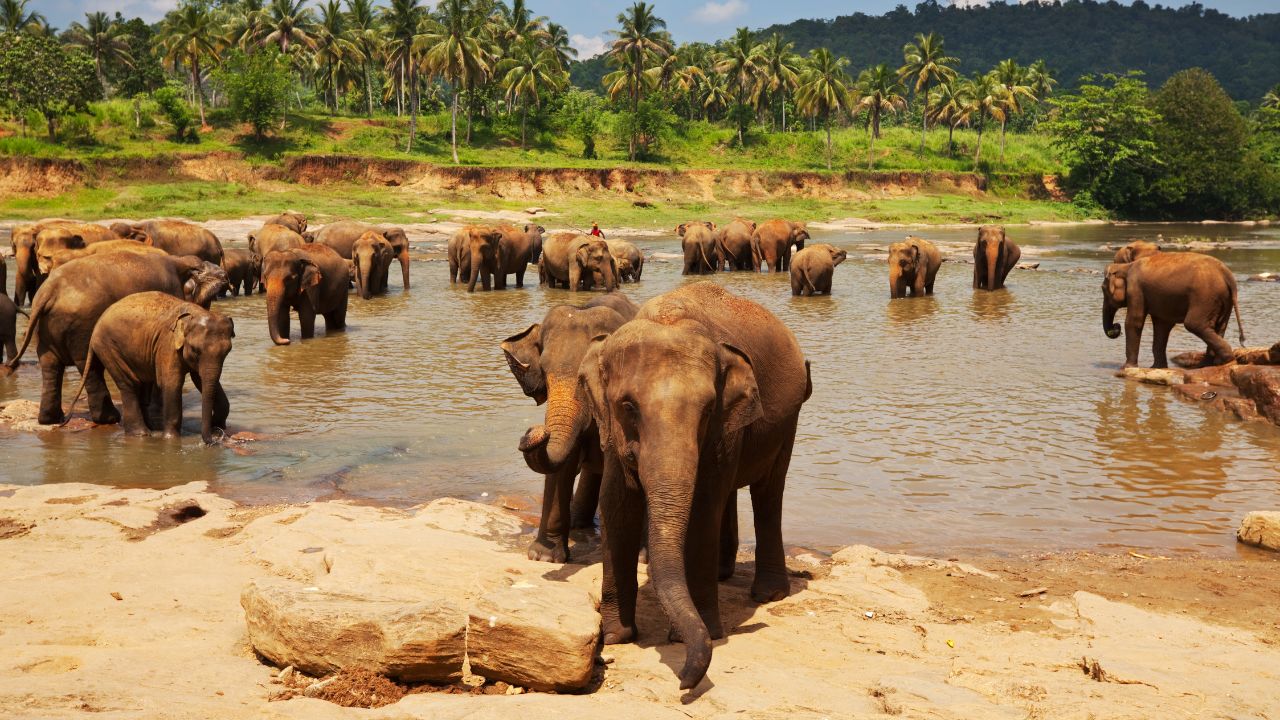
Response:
column 528, row 637
column 1260, row 529
column 1261, row 384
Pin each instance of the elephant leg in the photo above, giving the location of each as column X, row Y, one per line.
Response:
column 1135, row 318
column 729, row 538
column 101, row 410
column 51, row 373
column 552, row 541
column 586, row 497
column 132, row 409
column 796, row 285
column 978, row 274
column 622, row 534
column 146, row 395
column 520, row 278
column 307, row 322
column 575, row 276
column 1215, row 346
column 11, row 347
column 771, row 582
column 1160, row 330
column 335, row 320
column 171, row 402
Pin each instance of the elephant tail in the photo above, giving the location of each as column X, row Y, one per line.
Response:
column 702, row 250
column 1235, row 303
column 34, row 318
column 84, row 376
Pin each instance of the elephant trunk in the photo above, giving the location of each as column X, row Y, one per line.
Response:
column 548, row 448
column 477, row 267
column 404, row 266
column 1109, row 324
column 209, row 379
column 277, row 312
column 364, row 277
column 994, row 254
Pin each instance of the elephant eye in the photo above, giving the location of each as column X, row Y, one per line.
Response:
column 630, row 409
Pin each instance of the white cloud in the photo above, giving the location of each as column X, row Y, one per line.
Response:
column 718, row 12
column 587, row 47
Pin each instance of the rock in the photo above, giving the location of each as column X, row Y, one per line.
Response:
column 534, row 210
column 319, row 632
column 534, row 636
column 1261, row 384
column 1260, row 529
column 1265, row 277
column 1027, row 266
column 1154, row 376
column 1212, row 375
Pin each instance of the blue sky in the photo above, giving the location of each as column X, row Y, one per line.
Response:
column 588, row 21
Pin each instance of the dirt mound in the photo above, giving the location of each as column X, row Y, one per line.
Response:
column 39, row 177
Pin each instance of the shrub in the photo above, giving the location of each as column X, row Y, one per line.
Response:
column 176, row 110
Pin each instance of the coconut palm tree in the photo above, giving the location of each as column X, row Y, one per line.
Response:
column 1041, row 81
column 337, row 56
column 517, row 23
column 823, row 89
column 100, row 37
column 455, row 52
column 639, row 47
column 246, row 25
column 949, row 103
column 189, row 35
column 740, row 62
column 1015, row 92
column 558, row 40
column 15, row 18
column 1272, row 98
column 780, row 70
column 925, row 64
column 879, row 91
column 401, row 20
column 289, row 22
column 362, row 21
column 716, row 95
column 986, row 100
column 527, row 74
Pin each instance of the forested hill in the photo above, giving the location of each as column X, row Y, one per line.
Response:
column 1074, row 38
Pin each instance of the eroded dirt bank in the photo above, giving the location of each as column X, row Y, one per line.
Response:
column 126, row 603
column 46, row 177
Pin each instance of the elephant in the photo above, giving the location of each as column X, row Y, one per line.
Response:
column 271, row 237
column 1135, row 250
column 544, row 359
column 342, row 235
column 519, row 248
column 698, row 242
column 175, row 237
column 913, row 265
column 1189, row 288
column 207, row 284
column 994, row 256
column 371, row 256
column 52, row 238
column 150, row 342
column 4, row 277
column 23, row 241
column 734, row 241
column 60, row 258
column 574, row 261
column 71, row 300
column 313, row 280
column 696, row 397
column 8, row 323
column 244, row 269
column 812, row 268
column 295, row 221
column 771, row 244
column 475, row 252
column 629, row 259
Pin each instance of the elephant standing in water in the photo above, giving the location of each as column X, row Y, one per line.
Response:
column 8, row 324
column 1189, row 288
column 994, row 255
column 370, row 258
column 913, row 265
column 544, row 359
column 174, row 237
column 696, row 397
column 69, row 303
column 150, row 342
column 698, row 242
column 54, row 235
column 341, row 236
column 244, row 269
column 734, row 241
column 771, row 244
column 629, row 259
column 519, row 248
column 574, row 261
column 813, row 267
column 475, row 252
column 313, row 280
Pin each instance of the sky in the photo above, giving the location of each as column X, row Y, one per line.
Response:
column 589, row 21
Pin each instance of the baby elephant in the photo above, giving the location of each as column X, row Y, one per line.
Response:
column 150, row 342
column 913, row 265
column 244, row 269
column 812, row 268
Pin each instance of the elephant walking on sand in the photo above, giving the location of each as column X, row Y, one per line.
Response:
column 913, row 265
column 1189, row 288
column 149, row 342
column 994, row 255
column 544, row 359
column 696, row 397
column 813, row 267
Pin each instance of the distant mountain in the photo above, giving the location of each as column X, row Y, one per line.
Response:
column 1075, row 38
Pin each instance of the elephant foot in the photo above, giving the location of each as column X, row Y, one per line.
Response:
column 615, row 633
column 54, row 417
column 555, row 552
column 726, row 571
column 767, row 589
column 110, row 416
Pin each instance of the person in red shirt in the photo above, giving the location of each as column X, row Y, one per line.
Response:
column 595, row 230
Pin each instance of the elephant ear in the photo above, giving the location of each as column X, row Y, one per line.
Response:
column 591, row 381
column 311, row 277
column 180, row 331
column 582, row 254
column 681, row 228
column 739, row 394
column 524, row 356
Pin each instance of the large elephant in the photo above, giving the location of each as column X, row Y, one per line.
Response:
column 295, row 221
column 813, row 267
column 34, row 245
column 994, row 255
column 371, row 256
column 312, row 279
column 573, row 261
column 244, row 269
column 544, row 359
column 734, row 241
column 913, row 265
column 150, row 342
column 628, row 258
column 698, row 243
column 771, row 243
column 342, row 235
column 519, row 248
column 1189, row 288
column 1135, row 250
column 175, row 237
column 271, row 237
column 60, row 258
column 475, row 253
column 23, row 241
column 696, row 397
column 69, row 303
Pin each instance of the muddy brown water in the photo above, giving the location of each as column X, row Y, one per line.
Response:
column 966, row 421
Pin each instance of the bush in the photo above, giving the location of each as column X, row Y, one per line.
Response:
column 176, row 110
column 650, row 125
column 257, row 87
column 580, row 116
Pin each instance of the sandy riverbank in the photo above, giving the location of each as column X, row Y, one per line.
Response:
column 112, row 606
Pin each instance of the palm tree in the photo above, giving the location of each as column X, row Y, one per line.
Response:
column 780, row 69
column 716, row 95
column 879, row 91
column 246, row 26
column 290, row 22
column 926, row 63
column 740, row 61
column 986, row 100
column 949, row 103
column 518, row 23
column 527, row 74
column 190, row 34
column 15, row 18
column 558, row 40
column 100, row 37
column 401, row 21
column 336, row 54
column 1041, row 81
column 1272, row 98
column 639, row 47
column 1014, row 90
column 823, row 89
column 362, row 19
column 454, row 51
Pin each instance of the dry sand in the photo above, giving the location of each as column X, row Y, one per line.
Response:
column 117, row 604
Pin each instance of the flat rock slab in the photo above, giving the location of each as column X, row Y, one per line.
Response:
column 534, row 639
column 1260, row 529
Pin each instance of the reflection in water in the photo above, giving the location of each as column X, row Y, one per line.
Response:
column 975, row 420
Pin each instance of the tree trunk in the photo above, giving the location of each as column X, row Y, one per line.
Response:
column 524, row 118
column 828, row 142
column 470, row 107
column 978, row 153
column 196, row 87
column 784, row 113
column 951, row 140
column 871, row 149
column 413, row 107
column 453, row 126
column 1002, row 125
column 368, row 88
column 400, row 89
column 924, row 118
